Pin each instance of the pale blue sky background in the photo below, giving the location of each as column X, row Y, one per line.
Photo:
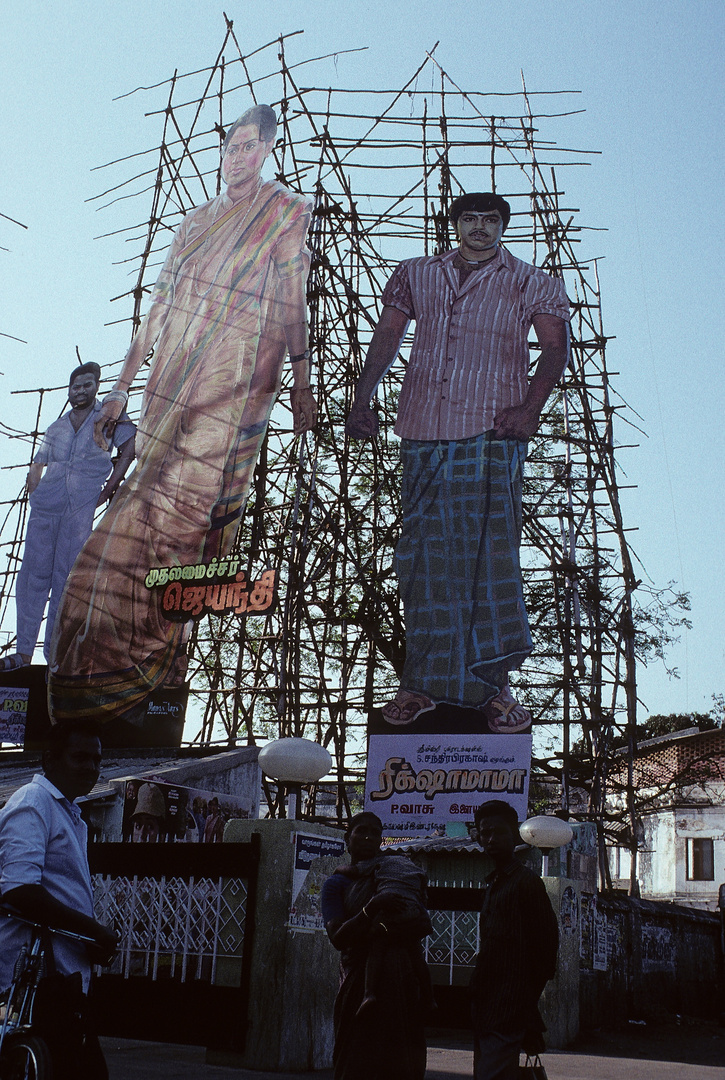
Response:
column 651, row 76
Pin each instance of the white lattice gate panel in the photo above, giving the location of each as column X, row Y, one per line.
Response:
column 173, row 928
column 451, row 948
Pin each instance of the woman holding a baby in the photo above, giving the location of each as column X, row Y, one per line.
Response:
column 375, row 914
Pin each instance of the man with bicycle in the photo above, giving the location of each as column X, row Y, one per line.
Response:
column 44, row 877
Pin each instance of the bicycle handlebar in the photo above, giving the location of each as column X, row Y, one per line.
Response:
column 9, row 912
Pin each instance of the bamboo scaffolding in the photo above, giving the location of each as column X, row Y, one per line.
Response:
column 382, row 168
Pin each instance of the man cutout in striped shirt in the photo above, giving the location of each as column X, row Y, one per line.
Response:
column 466, row 411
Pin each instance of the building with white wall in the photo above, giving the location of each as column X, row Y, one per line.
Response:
column 679, row 781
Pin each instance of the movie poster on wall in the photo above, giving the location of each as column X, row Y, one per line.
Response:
column 315, row 859
column 416, row 783
column 158, row 813
column 13, row 713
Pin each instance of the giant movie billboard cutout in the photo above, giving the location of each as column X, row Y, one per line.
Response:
column 228, row 306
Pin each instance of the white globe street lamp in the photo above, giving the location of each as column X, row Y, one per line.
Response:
column 294, row 762
column 546, row 833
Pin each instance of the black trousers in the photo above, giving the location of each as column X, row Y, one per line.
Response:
column 496, row 1054
column 63, row 1018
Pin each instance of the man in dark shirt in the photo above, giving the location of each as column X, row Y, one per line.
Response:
column 519, row 942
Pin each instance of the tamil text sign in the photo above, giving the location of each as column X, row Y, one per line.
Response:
column 417, row 784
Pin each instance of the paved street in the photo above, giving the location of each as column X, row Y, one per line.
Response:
column 130, row 1059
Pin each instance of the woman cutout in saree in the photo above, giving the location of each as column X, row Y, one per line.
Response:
column 230, row 300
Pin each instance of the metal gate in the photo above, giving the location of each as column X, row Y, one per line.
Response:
column 450, row 950
column 185, row 916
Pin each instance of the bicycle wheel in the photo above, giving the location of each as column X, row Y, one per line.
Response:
column 25, row 1057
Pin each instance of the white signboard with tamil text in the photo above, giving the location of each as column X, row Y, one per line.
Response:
column 416, row 784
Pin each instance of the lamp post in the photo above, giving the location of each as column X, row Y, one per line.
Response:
column 546, row 833
column 294, row 762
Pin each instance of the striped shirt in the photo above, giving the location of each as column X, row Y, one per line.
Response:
column 470, row 353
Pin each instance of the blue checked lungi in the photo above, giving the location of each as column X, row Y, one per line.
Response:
column 458, row 567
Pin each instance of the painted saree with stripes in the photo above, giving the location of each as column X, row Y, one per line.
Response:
column 214, row 378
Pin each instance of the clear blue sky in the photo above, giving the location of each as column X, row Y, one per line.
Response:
column 651, row 76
